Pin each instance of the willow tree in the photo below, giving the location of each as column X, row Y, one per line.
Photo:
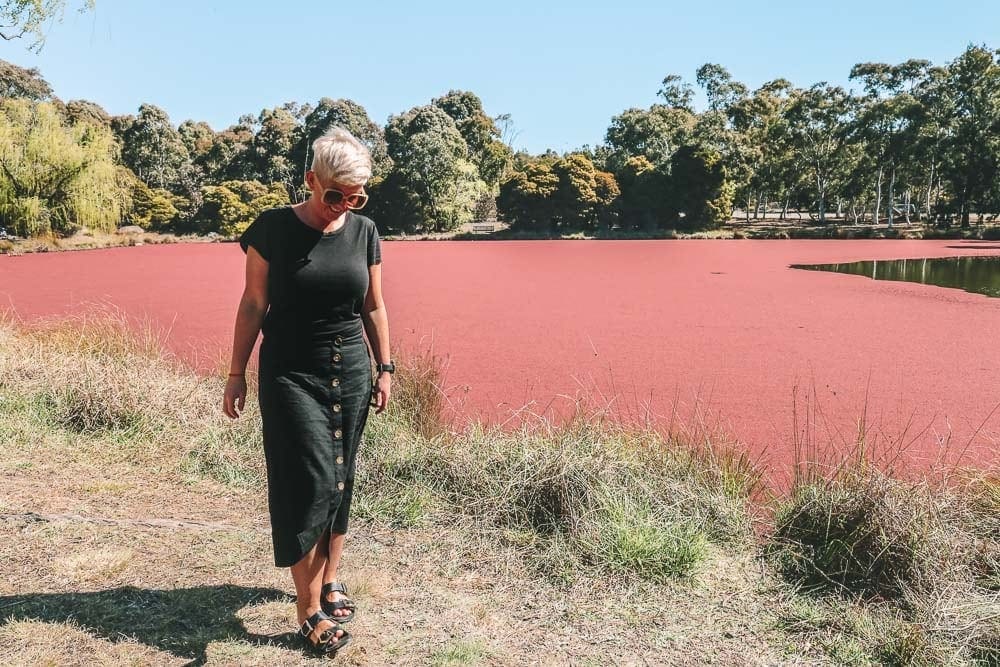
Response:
column 20, row 18
column 56, row 177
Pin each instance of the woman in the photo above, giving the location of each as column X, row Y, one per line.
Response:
column 313, row 286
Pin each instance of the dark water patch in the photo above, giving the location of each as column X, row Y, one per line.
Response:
column 980, row 274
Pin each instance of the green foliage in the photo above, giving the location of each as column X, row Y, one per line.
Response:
column 198, row 138
column 431, row 160
column 227, row 154
column 919, row 141
column 54, row 177
column 526, row 198
column 352, row 117
column 576, row 196
column 653, row 134
column 643, row 189
column 676, row 93
column 152, row 209
column 608, row 197
column 275, row 134
column 21, row 82
column 481, row 134
column 720, row 89
column 152, row 148
column 972, row 146
column 562, row 194
column 230, row 207
column 83, row 111
column 28, row 17
column 817, row 120
column 699, row 187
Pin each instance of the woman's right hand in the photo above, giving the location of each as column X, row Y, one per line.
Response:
column 235, row 397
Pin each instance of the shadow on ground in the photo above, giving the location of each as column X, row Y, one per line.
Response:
column 183, row 621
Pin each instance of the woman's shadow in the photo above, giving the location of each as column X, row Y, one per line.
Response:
column 182, row 621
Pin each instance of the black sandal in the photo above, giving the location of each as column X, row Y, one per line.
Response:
column 327, row 642
column 330, row 607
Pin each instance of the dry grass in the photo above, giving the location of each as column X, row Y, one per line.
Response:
column 901, row 572
column 89, row 240
column 591, row 541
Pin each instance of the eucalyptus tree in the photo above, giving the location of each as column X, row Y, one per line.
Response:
column 972, row 142
column 677, row 93
column 152, row 148
column 228, row 155
column 653, row 133
column 17, row 81
column 198, row 137
column 85, row 111
column 817, row 121
column 936, row 110
column 888, row 123
column 352, row 117
column 275, row 133
column 431, row 159
column 715, row 129
column 764, row 146
column 483, row 138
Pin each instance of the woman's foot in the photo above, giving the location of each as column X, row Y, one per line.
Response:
column 335, row 602
column 322, row 634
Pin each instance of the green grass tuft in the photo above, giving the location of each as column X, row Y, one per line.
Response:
column 855, row 535
column 627, row 536
column 459, row 652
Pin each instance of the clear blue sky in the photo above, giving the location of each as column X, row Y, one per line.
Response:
column 562, row 69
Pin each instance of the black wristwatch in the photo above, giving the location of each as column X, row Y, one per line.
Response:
column 388, row 368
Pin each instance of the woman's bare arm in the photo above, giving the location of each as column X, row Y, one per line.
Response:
column 249, row 318
column 376, row 322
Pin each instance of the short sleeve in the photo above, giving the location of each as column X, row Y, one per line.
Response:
column 256, row 235
column 374, row 246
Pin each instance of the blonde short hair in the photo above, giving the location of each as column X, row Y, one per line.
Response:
column 339, row 157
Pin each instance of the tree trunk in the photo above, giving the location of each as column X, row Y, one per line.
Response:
column 878, row 197
column 888, row 208
column 747, row 211
column 906, row 205
column 964, row 204
column 930, row 188
column 821, row 189
column 764, row 197
column 784, row 209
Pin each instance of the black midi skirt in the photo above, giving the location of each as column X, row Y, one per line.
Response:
column 314, row 399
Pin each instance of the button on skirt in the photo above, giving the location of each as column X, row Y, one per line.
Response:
column 314, row 400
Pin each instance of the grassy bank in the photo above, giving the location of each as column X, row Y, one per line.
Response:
column 88, row 240
column 136, row 531
column 734, row 229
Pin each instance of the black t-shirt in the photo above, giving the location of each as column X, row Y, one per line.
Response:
column 316, row 282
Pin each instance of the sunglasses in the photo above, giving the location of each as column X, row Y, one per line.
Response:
column 334, row 197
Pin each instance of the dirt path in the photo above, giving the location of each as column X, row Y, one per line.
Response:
column 134, row 567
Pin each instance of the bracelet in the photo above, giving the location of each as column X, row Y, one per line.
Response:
column 233, row 375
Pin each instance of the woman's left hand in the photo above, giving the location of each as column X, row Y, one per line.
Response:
column 381, row 391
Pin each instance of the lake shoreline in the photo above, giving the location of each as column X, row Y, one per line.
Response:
column 736, row 229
